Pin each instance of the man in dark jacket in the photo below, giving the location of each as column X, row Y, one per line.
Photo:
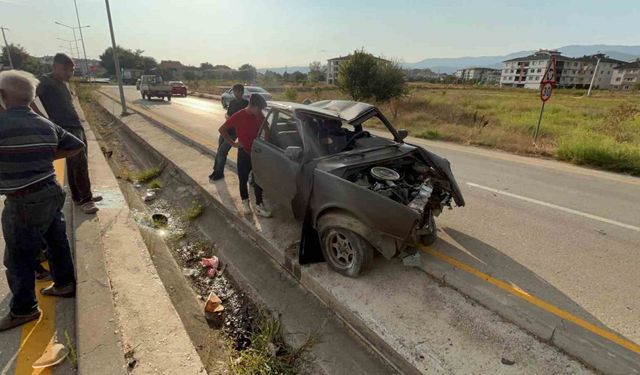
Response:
column 236, row 104
column 32, row 213
column 57, row 100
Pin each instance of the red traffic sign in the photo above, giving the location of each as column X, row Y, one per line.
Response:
column 550, row 72
column 545, row 91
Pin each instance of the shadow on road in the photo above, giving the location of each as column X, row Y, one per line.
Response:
column 495, row 263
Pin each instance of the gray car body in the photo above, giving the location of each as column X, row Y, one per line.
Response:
column 314, row 185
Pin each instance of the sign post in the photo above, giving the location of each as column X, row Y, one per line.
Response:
column 546, row 89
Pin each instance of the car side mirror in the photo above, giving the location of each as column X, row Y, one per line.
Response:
column 402, row 134
column 293, row 153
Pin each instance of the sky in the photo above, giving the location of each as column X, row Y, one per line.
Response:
column 278, row 33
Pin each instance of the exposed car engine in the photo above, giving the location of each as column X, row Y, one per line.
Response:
column 406, row 181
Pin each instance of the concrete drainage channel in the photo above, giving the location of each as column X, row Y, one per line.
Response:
column 188, row 228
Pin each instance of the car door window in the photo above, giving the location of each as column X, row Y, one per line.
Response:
column 284, row 131
column 266, row 126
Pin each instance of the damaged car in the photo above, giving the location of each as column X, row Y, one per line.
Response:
column 349, row 177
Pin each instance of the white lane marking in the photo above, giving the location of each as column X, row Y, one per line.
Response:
column 559, row 208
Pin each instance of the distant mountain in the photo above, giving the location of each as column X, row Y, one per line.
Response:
column 450, row 65
column 288, row 69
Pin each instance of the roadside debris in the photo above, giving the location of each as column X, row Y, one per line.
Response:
column 52, row 356
column 508, row 362
column 190, row 272
column 414, row 260
column 150, row 195
column 211, row 264
column 214, row 311
column 131, row 360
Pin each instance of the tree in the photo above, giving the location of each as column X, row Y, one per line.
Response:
column 206, row 66
column 357, row 74
column 19, row 56
column 148, row 63
column 21, row 59
column 389, row 82
column 317, row 72
column 247, row 72
column 189, row 75
column 298, row 76
column 364, row 77
column 128, row 60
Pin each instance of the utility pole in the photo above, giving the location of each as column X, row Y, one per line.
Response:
column 7, row 45
column 593, row 78
column 116, row 61
column 84, row 51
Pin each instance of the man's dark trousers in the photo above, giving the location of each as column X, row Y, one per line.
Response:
column 78, row 170
column 221, row 154
column 27, row 220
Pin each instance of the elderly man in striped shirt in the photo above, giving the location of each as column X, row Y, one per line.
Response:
column 33, row 206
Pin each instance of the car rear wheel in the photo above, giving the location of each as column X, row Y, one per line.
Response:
column 345, row 251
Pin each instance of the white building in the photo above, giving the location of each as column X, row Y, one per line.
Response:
column 571, row 72
column 626, row 76
column 477, row 74
column 333, row 68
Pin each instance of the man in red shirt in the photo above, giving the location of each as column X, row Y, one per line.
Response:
column 246, row 124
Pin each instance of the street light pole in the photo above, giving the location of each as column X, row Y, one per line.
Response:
column 84, row 51
column 73, row 29
column 7, row 46
column 70, row 47
column 116, row 61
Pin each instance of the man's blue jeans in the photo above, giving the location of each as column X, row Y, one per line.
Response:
column 221, row 155
column 27, row 220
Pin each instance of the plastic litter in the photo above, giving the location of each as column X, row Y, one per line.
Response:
column 212, row 265
column 52, row 356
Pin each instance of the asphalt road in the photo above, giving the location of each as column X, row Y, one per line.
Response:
column 568, row 235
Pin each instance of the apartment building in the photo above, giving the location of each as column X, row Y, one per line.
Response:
column 477, row 74
column 571, row 72
column 333, row 68
column 626, row 76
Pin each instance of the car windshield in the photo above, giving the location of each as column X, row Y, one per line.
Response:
column 177, row 83
column 255, row 89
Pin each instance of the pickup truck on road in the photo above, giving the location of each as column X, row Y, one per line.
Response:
column 152, row 86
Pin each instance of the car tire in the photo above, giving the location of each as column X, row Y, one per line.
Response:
column 431, row 237
column 345, row 251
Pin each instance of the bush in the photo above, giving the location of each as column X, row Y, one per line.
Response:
column 603, row 152
column 291, row 94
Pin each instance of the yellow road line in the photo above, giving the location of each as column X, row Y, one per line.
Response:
column 515, row 291
column 38, row 335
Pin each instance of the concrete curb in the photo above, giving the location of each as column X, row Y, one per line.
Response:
column 99, row 350
column 592, row 349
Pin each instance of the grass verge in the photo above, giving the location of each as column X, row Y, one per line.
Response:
column 269, row 354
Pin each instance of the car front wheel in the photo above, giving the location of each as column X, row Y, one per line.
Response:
column 345, row 251
column 432, row 235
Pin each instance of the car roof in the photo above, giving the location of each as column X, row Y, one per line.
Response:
column 346, row 110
